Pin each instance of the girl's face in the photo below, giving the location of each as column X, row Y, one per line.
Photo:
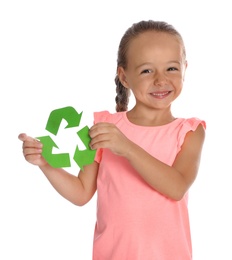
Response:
column 155, row 69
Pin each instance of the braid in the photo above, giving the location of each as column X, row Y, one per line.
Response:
column 122, row 97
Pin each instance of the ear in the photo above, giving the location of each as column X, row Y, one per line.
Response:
column 122, row 77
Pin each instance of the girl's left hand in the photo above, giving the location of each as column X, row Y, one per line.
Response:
column 107, row 135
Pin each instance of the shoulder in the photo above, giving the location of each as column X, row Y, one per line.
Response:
column 193, row 127
column 106, row 116
column 190, row 124
column 193, row 123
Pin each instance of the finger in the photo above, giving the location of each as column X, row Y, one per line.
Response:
column 34, row 159
column 30, row 143
column 100, row 124
column 25, row 138
column 99, row 140
column 99, row 128
column 36, row 146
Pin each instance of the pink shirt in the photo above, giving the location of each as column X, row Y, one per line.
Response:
column 134, row 222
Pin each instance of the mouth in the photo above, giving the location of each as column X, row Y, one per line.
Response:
column 160, row 94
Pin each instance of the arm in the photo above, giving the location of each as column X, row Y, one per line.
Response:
column 77, row 189
column 171, row 181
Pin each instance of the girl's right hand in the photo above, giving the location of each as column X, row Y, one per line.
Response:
column 32, row 150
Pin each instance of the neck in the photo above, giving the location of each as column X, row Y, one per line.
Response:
column 150, row 118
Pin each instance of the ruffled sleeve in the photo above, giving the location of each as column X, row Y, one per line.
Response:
column 101, row 116
column 189, row 124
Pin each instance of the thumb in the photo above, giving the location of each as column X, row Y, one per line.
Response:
column 24, row 137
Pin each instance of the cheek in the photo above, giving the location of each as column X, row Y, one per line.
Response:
column 178, row 89
column 139, row 91
column 137, row 84
column 178, row 80
column 178, row 84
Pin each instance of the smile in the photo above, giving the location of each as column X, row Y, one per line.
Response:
column 161, row 94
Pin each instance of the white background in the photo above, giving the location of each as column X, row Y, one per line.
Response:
column 63, row 53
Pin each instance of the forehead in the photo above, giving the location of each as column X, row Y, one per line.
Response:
column 155, row 43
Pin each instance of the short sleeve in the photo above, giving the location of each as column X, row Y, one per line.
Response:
column 101, row 116
column 189, row 124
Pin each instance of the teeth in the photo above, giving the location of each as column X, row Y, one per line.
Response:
column 160, row 94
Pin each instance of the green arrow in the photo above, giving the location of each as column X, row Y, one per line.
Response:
column 56, row 116
column 55, row 160
column 84, row 157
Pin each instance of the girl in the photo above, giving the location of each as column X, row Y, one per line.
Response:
column 146, row 158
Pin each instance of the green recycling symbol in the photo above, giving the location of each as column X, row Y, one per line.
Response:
column 73, row 118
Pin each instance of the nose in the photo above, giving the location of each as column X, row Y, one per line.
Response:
column 160, row 79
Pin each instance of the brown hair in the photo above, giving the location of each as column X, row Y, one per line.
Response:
column 122, row 97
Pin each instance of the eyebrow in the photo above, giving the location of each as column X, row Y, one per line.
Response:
column 143, row 64
column 175, row 61
column 150, row 63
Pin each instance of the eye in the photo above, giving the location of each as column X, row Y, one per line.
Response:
column 172, row 69
column 146, row 71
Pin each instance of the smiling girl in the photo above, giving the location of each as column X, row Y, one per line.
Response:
column 147, row 158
